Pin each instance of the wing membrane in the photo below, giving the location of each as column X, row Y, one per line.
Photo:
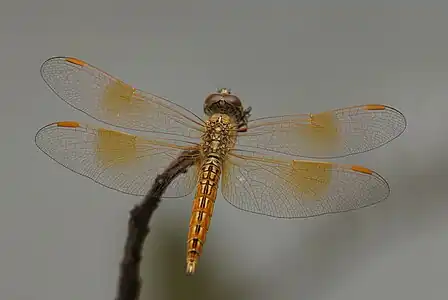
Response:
column 114, row 102
column 330, row 134
column 120, row 161
column 298, row 188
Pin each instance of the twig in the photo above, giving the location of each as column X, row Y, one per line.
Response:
column 129, row 282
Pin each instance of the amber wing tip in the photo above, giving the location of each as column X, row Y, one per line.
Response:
column 191, row 268
column 374, row 107
column 72, row 124
column 76, row 61
column 361, row 169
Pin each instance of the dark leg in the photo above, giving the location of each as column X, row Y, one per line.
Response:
column 242, row 126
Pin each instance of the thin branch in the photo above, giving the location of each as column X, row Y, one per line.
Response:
column 129, row 282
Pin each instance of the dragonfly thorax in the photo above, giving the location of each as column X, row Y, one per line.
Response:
column 219, row 136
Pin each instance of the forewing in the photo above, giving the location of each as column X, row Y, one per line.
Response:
column 115, row 102
column 331, row 134
column 298, row 188
column 117, row 160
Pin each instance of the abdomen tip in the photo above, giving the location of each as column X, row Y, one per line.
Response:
column 191, row 267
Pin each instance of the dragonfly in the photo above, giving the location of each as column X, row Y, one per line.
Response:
column 266, row 166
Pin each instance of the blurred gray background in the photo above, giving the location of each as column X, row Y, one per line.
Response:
column 61, row 235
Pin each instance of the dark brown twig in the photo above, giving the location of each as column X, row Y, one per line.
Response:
column 129, row 282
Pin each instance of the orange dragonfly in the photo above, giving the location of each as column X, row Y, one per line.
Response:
column 255, row 161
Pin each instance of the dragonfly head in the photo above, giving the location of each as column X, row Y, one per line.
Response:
column 223, row 101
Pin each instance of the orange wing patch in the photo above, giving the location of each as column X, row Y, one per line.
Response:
column 115, row 148
column 322, row 132
column 331, row 134
column 114, row 102
column 117, row 160
column 119, row 98
column 298, row 189
column 309, row 178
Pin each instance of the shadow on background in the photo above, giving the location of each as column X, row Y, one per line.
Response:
column 343, row 243
column 316, row 263
column 163, row 273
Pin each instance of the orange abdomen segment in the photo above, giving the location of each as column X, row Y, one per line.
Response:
column 202, row 211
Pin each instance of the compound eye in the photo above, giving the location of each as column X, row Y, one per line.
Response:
column 211, row 99
column 235, row 101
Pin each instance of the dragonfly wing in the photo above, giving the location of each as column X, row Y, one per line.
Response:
column 117, row 160
column 298, row 188
column 331, row 134
column 115, row 102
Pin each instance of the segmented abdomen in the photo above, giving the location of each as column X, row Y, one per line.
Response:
column 202, row 210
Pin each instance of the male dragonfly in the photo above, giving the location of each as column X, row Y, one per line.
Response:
column 255, row 161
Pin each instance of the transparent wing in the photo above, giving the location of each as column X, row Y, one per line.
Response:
column 120, row 161
column 330, row 134
column 298, row 188
column 114, row 102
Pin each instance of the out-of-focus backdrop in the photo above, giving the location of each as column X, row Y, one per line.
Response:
column 61, row 235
